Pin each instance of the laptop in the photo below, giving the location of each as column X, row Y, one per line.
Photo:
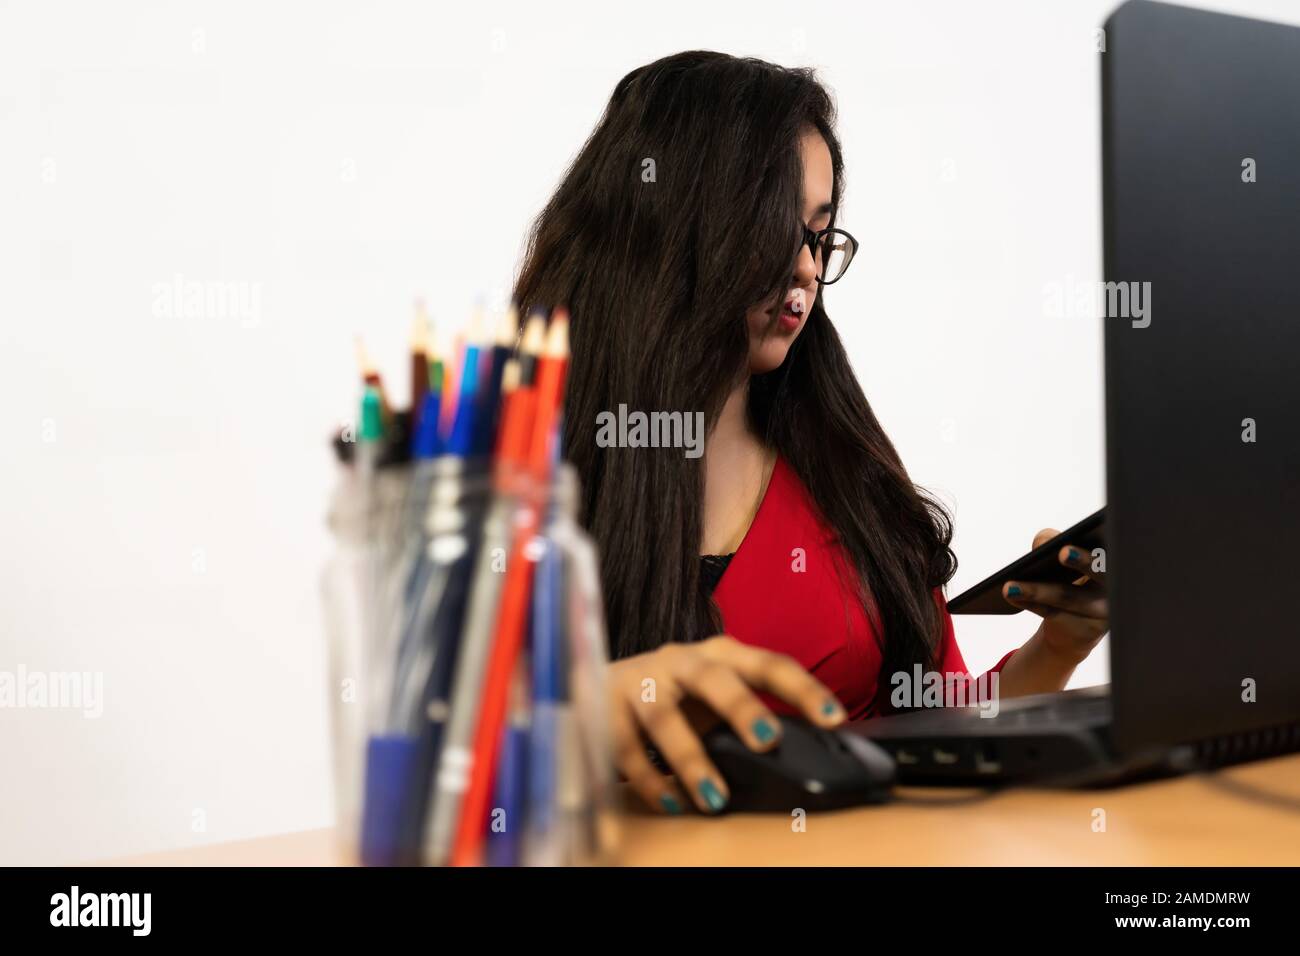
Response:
column 1201, row 194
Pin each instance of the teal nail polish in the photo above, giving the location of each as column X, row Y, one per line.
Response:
column 763, row 730
column 1014, row 590
column 712, row 795
column 1074, row 555
column 830, row 708
column 670, row 804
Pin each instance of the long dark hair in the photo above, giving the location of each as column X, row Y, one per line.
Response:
column 659, row 264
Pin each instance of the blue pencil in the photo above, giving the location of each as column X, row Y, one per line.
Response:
column 489, row 410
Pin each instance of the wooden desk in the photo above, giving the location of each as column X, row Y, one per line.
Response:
column 1188, row 821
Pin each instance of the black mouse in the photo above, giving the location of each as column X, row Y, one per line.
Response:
column 811, row 768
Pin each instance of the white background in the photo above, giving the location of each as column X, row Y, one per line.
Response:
column 165, row 478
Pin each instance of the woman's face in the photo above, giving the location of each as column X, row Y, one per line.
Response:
column 769, row 338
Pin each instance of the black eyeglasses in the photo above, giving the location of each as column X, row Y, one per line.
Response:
column 832, row 251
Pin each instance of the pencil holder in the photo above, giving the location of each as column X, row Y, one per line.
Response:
column 467, row 654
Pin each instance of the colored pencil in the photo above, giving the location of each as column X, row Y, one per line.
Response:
column 507, row 331
column 461, row 440
column 419, row 363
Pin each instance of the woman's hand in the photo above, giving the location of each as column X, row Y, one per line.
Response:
column 667, row 697
column 1075, row 616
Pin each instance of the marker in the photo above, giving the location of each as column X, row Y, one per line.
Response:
column 387, row 758
column 371, row 433
column 370, row 376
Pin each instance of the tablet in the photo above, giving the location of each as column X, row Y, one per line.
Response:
column 1039, row 565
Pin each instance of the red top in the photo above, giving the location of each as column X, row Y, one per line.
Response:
column 788, row 589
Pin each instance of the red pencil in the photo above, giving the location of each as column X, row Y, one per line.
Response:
column 517, row 418
column 512, row 612
column 551, row 370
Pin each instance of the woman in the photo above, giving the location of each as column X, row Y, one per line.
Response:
column 693, row 238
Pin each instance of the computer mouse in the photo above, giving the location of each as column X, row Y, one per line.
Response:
column 811, row 768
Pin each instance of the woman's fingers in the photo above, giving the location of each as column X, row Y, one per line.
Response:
column 1045, row 535
column 720, row 688
column 1083, row 561
column 658, row 791
column 720, row 676
column 1047, row 600
column 674, row 738
column 779, row 675
column 1072, row 556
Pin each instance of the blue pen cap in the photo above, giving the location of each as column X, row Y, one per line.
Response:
column 390, row 761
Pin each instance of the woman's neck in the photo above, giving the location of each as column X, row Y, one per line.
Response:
column 732, row 426
column 737, row 466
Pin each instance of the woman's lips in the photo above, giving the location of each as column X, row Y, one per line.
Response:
column 792, row 311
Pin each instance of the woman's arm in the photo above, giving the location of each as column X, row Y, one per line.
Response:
column 1037, row 667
